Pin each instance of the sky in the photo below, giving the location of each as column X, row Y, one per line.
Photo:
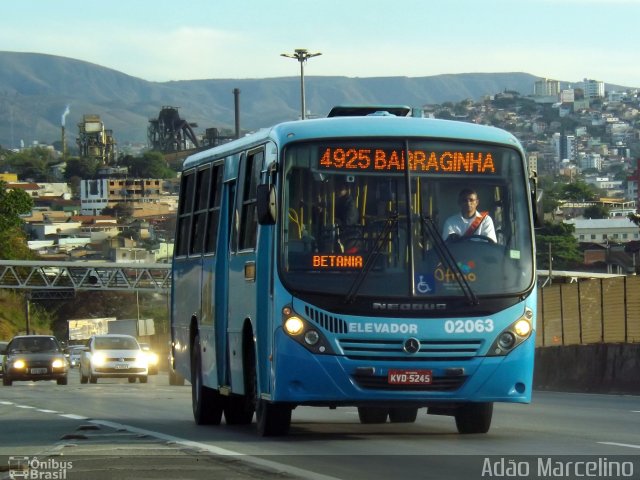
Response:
column 162, row 40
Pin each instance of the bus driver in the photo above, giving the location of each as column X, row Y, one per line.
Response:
column 469, row 221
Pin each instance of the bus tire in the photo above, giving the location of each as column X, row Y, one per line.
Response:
column 474, row 417
column 206, row 402
column 239, row 409
column 370, row 415
column 272, row 419
column 403, row 415
column 175, row 378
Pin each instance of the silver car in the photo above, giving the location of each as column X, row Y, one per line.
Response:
column 73, row 354
column 113, row 356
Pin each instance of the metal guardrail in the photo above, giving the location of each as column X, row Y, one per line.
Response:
column 60, row 276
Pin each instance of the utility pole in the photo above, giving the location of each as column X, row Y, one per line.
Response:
column 550, row 266
column 302, row 55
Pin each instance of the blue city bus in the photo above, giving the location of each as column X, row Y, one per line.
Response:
column 281, row 300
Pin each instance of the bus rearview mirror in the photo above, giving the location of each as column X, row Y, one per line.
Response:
column 266, row 204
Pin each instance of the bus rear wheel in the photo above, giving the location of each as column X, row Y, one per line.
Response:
column 272, row 419
column 207, row 403
column 474, row 417
column 369, row 415
column 175, row 378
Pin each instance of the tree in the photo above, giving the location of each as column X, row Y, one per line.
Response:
column 122, row 211
column 13, row 203
column 30, row 163
column 84, row 168
column 150, row 165
column 564, row 246
column 578, row 191
column 596, row 211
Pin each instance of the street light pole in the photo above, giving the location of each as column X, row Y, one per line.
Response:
column 301, row 55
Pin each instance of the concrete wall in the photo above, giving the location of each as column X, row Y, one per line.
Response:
column 596, row 368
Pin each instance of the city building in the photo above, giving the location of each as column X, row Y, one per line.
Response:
column 592, row 88
column 604, row 231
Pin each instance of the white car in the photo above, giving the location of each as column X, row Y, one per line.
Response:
column 113, row 356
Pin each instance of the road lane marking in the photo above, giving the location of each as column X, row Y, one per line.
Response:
column 46, row 411
column 6, row 403
column 203, row 447
column 616, row 444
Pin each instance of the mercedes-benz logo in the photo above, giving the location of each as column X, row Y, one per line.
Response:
column 411, row 345
column 121, row 359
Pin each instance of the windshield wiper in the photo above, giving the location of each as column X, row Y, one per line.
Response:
column 447, row 257
column 390, row 222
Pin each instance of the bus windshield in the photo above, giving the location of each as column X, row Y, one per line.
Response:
column 391, row 218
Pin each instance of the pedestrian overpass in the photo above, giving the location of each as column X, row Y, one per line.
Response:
column 61, row 279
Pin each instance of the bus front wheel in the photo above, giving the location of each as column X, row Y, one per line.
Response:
column 370, row 415
column 272, row 419
column 207, row 403
column 403, row 415
column 474, row 417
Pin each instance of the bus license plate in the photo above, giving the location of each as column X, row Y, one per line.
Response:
column 38, row 371
column 122, row 366
column 409, row 377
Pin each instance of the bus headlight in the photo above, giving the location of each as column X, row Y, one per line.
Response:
column 293, row 325
column 506, row 340
column 522, row 327
column 304, row 332
column 513, row 335
column 311, row 337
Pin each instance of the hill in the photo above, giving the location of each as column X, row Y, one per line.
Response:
column 36, row 88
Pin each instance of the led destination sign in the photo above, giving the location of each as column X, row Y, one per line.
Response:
column 384, row 160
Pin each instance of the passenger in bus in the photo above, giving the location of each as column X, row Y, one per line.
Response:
column 346, row 217
column 469, row 222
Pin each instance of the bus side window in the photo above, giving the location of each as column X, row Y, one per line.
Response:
column 184, row 213
column 248, row 216
column 200, row 210
column 215, row 199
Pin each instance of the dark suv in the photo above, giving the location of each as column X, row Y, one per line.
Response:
column 34, row 357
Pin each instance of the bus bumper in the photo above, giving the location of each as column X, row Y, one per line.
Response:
column 304, row 378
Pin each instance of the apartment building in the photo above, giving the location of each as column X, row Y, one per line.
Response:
column 144, row 194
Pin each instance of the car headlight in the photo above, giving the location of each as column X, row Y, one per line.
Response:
column 19, row 364
column 58, row 363
column 152, row 358
column 98, row 359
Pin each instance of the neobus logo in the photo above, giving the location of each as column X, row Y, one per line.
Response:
column 409, row 307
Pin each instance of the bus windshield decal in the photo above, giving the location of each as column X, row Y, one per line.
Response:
column 393, row 160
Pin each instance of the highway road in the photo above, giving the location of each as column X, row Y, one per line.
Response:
column 114, row 429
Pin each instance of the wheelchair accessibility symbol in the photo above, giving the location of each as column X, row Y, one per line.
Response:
column 424, row 286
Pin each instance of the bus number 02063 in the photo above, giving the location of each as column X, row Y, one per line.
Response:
column 468, row 326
